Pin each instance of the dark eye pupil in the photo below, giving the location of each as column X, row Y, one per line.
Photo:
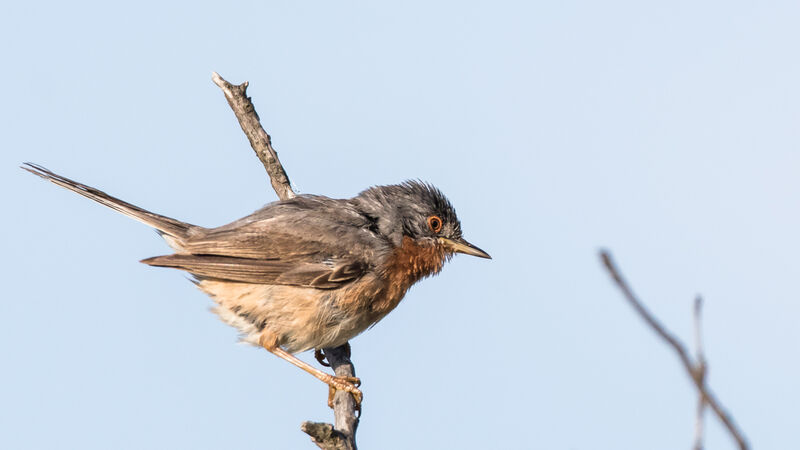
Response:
column 435, row 223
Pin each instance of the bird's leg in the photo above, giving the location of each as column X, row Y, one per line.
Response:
column 347, row 384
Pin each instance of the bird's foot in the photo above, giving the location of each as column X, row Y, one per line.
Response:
column 320, row 357
column 347, row 384
column 319, row 354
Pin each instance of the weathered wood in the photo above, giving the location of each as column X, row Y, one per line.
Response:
column 261, row 142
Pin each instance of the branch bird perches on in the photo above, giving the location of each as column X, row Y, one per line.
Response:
column 341, row 435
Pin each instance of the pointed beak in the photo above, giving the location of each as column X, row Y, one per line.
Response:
column 462, row 246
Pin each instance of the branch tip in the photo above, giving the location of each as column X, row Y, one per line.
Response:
column 260, row 141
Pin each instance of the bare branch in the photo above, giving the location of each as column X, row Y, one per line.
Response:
column 243, row 107
column 707, row 396
column 342, row 436
column 700, row 369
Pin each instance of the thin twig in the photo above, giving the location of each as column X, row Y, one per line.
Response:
column 707, row 396
column 700, row 369
column 326, row 436
column 243, row 107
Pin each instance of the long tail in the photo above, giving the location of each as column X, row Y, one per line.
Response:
column 173, row 231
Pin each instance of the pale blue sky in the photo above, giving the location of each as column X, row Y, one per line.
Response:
column 667, row 132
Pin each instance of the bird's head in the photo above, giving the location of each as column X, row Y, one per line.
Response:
column 419, row 211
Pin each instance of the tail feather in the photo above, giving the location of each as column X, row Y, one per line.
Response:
column 173, row 231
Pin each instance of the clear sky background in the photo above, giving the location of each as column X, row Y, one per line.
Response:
column 666, row 132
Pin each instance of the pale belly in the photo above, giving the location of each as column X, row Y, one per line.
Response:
column 300, row 318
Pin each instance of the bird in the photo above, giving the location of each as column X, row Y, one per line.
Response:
column 310, row 272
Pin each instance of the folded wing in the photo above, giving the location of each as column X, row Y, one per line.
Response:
column 308, row 241
column 316, row 275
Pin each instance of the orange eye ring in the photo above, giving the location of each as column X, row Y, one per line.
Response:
column 435, row 223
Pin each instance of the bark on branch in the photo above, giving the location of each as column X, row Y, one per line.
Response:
column 696, row 370
column 243, row 107
column 342, row 435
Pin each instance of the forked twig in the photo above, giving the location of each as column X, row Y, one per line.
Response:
column 696, row 371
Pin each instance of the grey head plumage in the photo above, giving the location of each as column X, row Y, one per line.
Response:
column 406, row 209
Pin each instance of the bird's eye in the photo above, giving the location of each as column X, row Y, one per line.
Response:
column 435, row 224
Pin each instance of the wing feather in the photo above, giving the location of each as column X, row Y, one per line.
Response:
column 309, row 241
column 317, row 275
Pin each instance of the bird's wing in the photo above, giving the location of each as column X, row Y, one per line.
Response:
column 308, row 241
column 307, row 226
column 321, row 275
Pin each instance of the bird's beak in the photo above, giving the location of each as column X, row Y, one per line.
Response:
column 462, row 246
